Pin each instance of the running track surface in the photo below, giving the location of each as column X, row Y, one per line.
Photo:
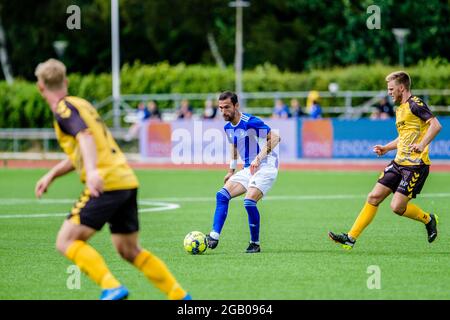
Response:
column 316, row 165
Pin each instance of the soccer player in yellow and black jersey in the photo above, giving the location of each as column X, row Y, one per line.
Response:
column 406, row 174
column 110, row 195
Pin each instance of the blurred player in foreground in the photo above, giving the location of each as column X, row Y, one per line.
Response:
column 110, row 194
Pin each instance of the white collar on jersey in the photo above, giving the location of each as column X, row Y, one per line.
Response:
column 243, row 117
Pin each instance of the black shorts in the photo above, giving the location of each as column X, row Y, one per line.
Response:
column 118, row 208
column 407, row 180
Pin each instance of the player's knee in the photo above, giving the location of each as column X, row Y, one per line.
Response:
column 398, row 208
column 60, row 247
column 128, row 253
column 222, row 195
column 62, row 244
column 248, row 202
column 374, row 198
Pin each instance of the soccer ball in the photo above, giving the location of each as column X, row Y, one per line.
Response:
column 195, row 242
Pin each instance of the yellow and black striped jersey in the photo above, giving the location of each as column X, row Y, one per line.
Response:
column 74, row 115
column 412, row 121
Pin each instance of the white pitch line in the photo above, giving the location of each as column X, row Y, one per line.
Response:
column 164, row 205
column 296, row 197
column 161, row 206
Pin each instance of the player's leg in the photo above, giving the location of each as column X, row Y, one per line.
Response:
column 150, row 265
column 369, row 210
column 400, row 205
column 72, row 242
column 87, row 216
column 411, row 185
column 365, row 217
column 252, row 197
column 387, row 182
column 234, row 187
column 260, row 183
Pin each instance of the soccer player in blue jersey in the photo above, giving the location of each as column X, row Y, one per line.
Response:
column 255, row 142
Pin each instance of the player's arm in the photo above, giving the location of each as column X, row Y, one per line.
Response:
column 381, row 150
column 60, row 169
column 94, row 181
column 273, row 140
column 233, row 163
column 433, row 130
column 421, row 110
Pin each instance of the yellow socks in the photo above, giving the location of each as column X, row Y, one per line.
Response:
column 92, row 263
column 158, row 273
column 365, row 217
column 414, row 212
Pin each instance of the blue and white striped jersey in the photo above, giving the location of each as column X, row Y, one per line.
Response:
column 249, row 135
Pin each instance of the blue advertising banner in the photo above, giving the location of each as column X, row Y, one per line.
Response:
column 355, row 138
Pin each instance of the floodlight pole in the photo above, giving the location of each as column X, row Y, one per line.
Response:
column 115, row 61
column 4, row 56
column 238, row 61
column 60, row 48
column 400, row 35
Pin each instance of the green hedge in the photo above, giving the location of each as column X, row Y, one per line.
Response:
column 22, row 107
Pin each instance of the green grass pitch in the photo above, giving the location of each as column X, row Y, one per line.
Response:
column 297, row 261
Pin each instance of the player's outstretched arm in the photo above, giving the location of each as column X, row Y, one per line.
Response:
column 381, row 150
column 94, row 181
column 433, row 130
column 60, row 169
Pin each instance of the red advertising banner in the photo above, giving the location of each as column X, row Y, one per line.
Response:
column 159, row 140
column 317, row 138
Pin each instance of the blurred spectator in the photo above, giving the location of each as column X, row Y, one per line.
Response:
column 280, row 110
column 313, row 95
column 383, row 110
column 296, row 109
column 316, row 110
column 154, row 110
column 185, row 111
column 142, row 114
column 210, row 110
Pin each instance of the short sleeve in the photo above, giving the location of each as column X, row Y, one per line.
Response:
column 257, row 124
column 69, row 119
column 420, row 109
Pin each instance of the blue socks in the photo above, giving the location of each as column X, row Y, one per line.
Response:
column 222, row 200
column 253, row 219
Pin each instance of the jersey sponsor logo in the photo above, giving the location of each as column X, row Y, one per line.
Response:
column 417, row 101
column 400, row 124
column 63, row 111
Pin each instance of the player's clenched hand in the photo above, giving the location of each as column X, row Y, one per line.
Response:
column 254, row 165
column 416, row 147
column 379, row 150
column 227, row 176
column 42, row 185
column 94, row 183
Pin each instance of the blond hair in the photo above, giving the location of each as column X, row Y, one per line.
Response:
column 52, row 73
column 400, row 77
